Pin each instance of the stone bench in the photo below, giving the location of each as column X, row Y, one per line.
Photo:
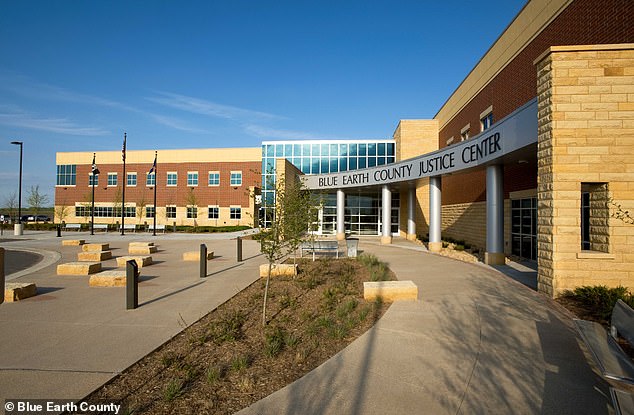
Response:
column 278, row 270
column 93, row 256
column 141, row 260
column 16, row 291
column 110, row 278
column 95, row 247
column 390, row 290
column 78, row 268
column 143, row 244
column 73, row 242
column 142, row 250
column 195, row 255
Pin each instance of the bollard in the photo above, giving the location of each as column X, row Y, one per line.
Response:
column 203, row 261
column 2, row 274
column 59, row 231
column 132, row 285
column 239, row 242
column 174, row 227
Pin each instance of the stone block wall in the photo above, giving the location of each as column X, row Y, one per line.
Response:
column 585, row 143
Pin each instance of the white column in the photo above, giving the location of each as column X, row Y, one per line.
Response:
column 435, row 213
column 411, row 204
column 341, row 208
column 386, row 203
column 494, row 253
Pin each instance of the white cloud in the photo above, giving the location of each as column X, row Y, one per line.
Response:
column 204, row 107
column 16, row 118
column 176, row 124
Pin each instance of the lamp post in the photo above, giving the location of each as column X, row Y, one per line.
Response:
column 18, row 226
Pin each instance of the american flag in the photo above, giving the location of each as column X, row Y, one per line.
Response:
column 123, row 149
column 153, row 169
column 94, row 170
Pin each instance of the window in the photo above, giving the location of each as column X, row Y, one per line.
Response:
column 149, row 211
column 66, row 174
column 172, row 178
column 464, row 132
column 170, row 212
column 213, row 212
column 93, row 179
column 150, row 180
column 112, row 179
column 235, row 213
column 192, row 212
column 192, row 178
column 524, row 227
column 450, row 141
column 131, row 180
column 595, row 217
column 486, row 118
column 130, row 212
column 236, row 178
column 214, row 178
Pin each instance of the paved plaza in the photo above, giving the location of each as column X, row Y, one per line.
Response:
column 475, row 342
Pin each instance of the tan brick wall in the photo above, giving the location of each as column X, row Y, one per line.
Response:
column 465, row 221
column 586, row 135
column 413, row 138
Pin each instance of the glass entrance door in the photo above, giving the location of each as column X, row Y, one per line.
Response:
column 524, row 228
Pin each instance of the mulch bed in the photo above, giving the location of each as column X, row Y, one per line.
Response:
column 228, row 360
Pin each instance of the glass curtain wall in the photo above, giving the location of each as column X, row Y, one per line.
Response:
column 321, row 157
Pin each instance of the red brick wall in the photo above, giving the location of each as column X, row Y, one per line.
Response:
column 223, row 195
column 583, row 22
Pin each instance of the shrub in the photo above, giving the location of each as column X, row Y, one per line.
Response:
column 600, row 299
column 274, row 342
column 173, row 390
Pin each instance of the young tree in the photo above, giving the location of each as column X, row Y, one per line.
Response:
column 61, row 211
column 11, row 204
column 289, row 220
column 191, row 202
column 117, row 201
column 36, row 200
column 140, row 206
column 86, row 205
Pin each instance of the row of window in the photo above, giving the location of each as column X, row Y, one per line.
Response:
column 213, row 179
column 213, row 212
column 486, row 121
column 328, row 150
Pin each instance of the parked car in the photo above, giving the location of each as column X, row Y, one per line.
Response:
column 36, row 218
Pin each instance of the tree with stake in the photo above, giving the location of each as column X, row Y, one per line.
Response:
column 36, row 200
column 290, row 218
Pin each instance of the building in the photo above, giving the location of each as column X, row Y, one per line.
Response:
column 532, row 155
column 201, row 187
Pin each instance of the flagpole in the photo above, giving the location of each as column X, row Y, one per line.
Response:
column 92, row 209
column 124, row 183
column 155, row 186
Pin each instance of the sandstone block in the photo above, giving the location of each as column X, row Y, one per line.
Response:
column 78, row 268
column 16, row 291
column 73, row 242
column 278, row 270
column 141, row 250
column 141, row 260
column 195, row 255
column 110, row 278
column 95, row 247
column 94, row 256
column 390, row 290
column 143, row 244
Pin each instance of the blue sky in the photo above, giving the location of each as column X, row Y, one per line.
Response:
column 74, row 75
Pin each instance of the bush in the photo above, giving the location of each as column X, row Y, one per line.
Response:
column 600, row 299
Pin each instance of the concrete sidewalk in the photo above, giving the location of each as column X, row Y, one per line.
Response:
column 475, row 342
column 71, row 338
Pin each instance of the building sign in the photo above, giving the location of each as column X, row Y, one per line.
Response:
column 514, row 132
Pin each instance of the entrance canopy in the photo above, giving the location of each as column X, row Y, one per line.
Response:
column 515, row 132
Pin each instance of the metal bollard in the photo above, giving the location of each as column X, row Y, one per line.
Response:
column 59, row 231
column 132, row 285
column 203, row 261
column 239, row 242
column 2, row 274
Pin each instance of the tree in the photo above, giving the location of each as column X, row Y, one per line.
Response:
column 116, row 204
column 86, row 205
column 191, row 202
column 36, row 200
column 61, row 211
column 140, row 206
column 289, row 219
column 11, row 204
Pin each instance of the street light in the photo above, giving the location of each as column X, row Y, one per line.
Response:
column 18, row 227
